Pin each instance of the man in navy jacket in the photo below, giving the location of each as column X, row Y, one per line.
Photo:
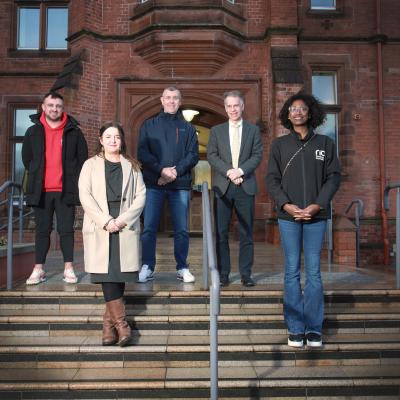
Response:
column 168, row 150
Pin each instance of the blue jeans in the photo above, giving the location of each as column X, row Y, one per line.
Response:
column 178, row 201
column 304, row 312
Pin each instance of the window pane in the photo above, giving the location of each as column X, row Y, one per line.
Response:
column 57, row 28
column 323, row 4
column 329, row 127
column 18, row 167
column 22, row 121
column 324, row 87
column 28, row 28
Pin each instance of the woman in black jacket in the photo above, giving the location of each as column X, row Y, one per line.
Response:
column 303, row 176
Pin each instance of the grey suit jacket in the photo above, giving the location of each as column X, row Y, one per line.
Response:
column 220, row 157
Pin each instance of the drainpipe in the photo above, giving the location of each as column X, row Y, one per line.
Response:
column 382, row 175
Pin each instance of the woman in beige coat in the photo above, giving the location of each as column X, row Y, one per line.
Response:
column 112, row 194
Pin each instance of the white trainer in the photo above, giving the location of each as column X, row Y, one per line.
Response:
column 185, row 275
column 145, row 274
column 37, row 276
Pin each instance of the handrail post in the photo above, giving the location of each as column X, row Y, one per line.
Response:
column 386, row 206
column 214, row 312
column 209, row 263
column 21, row 215
column 10, row 238
column 357, row 213
column 204, row 189
column 330, row 241
column 10, row 186
column 398, row 238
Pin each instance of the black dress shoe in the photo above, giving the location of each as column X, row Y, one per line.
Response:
column 224, row 280
column 248, row 281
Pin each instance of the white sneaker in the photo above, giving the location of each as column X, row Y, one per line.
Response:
column 37, row 276
column 145, row 274
column 185, row 275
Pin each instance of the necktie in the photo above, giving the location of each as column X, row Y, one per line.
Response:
column 235, row 145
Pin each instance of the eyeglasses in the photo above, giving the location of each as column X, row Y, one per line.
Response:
column 301, row 110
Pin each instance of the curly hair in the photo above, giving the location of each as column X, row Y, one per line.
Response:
column 316, row 112
column 100, row 151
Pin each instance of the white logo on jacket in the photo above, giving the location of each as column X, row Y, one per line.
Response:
column 320, row 155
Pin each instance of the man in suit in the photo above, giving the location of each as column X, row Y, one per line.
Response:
column 234, row 152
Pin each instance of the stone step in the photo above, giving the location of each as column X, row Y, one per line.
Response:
column 238, row 382
column 50, row 347
column 200, row 313
column 190, row 326
column 190, row 356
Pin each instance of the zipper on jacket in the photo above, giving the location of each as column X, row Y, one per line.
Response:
column 303, row 169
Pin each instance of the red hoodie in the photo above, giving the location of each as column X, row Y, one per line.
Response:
column 52, row 181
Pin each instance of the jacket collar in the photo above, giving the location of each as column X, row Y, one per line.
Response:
column 71, row 121
column 310, row 134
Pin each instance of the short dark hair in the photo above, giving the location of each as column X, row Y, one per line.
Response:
column 123, row 150
column 315, row 109
column 53, row 94
column 234, row 93
column 172, row 89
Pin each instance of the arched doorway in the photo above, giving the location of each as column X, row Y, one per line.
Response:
column 139, row 101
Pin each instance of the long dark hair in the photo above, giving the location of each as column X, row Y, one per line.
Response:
column 315, row 110
column 100, row 151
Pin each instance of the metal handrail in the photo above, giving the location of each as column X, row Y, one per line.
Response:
column 209, row 265
column 11, row 186
column 388, row 188
column 359, row 211
column 329, row 238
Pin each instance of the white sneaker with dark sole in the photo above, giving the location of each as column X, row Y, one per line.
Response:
column 145, row 274
column 313, row 339
column 185, row 275
column 37, row 276
column 296, row 340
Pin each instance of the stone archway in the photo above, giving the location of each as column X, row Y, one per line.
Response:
column 139, row 100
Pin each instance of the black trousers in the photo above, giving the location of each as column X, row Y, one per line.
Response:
column 50, row 202
column 236, row 199
column 113, row 290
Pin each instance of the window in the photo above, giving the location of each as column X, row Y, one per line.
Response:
column 323, row 4
column 324, row 88
column 42, row 27
column 21, row 122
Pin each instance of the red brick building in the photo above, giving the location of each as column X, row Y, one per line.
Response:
column 120, row 54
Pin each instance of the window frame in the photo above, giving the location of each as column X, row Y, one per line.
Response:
column 13, row 139
column 335, row 108
column 321, row 8
column 43, row 6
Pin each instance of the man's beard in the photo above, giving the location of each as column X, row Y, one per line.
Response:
column 57, row 119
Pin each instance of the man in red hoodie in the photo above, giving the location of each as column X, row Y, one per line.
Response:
column 53, row 152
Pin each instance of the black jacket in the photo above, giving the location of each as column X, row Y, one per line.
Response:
column 167, row 140
column 313, row 176
column 74, row 154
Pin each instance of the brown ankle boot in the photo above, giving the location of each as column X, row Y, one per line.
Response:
column 118, row 317
column 110, row 336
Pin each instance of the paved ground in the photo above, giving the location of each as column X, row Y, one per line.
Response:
column 267, row 271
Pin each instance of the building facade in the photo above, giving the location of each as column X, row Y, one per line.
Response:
column 111, row 60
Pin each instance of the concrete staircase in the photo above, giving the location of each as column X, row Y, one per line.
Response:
column 50, row 347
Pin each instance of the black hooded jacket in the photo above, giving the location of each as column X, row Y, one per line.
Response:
column 74, row 154
column 312, row 177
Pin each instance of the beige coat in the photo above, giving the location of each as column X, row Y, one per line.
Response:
column 92, row 194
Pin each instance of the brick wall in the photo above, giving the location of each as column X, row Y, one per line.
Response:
column 109, row 55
